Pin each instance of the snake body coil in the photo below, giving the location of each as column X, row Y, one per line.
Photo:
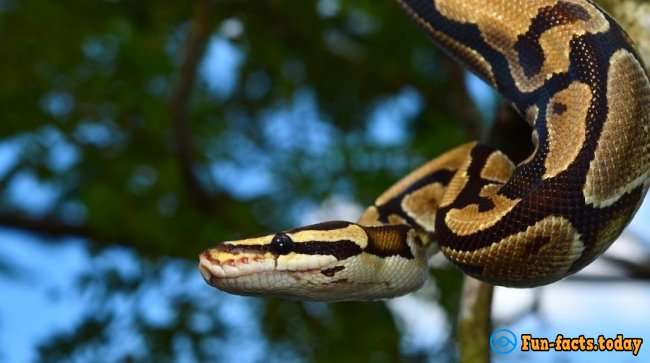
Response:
column 565, row 66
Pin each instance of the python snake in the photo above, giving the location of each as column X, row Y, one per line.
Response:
column 574, row 76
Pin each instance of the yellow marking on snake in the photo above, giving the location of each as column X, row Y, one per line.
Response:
column 450, row 160
column 567, row 115
column 352, row 232
column 520, row 263
column 517, row 16
column 628, row 93
column 498, row 168
column 422, row 204
column 470, row 220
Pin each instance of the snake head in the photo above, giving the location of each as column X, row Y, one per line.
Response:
column 322, row 262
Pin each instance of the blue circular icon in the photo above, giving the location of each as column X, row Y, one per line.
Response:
column 503, row 341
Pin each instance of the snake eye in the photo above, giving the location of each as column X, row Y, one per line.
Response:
column 281, row 244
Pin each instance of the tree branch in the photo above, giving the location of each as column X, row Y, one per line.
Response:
column 467, row 115
column 193, row 50
column 631, row 269
column 45, row 226
column 50, row 226
column 474, row 323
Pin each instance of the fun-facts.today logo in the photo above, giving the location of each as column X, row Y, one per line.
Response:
column 503, row 341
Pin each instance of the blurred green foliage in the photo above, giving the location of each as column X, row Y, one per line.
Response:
column 92, row 105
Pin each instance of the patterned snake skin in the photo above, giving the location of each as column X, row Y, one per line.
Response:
column 573, row 74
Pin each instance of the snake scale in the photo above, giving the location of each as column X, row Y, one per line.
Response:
column 574, row 76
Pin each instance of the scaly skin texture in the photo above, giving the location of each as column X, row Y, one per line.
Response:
column 571, row 72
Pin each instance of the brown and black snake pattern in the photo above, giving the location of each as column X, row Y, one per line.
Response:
column 572, row 73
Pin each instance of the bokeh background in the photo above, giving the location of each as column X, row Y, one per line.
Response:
column 133, row 135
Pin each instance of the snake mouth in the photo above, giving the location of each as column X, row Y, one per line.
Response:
column 214, row 269
column 223, row 269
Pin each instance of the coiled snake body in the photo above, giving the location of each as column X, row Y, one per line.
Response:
column 565, row 66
